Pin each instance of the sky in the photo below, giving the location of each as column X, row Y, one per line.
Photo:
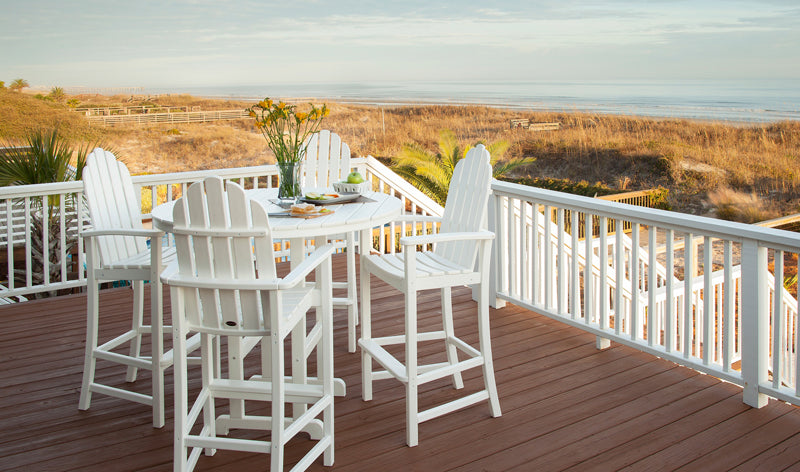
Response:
column 196, row 43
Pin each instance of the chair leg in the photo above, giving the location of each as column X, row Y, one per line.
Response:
column 208, row 362
column 92, row 319
column 236, row 372
column 157, row 346
column 412, row 387
column 278, row 404
column 485, row 342
column 180, row 375
column 325, row 366
column 136, row 326
column 366, row 333
column 352, row 308
column 449, row 330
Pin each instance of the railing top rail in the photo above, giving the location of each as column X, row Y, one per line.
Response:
column 681, row 222
column 38, row 190
column 423, row 201
column 620, row 196
column 190, row 176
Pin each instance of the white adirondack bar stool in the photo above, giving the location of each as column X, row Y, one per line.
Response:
column 328, row 161
column 220, row 290
column 461, row 243
column 119, row 248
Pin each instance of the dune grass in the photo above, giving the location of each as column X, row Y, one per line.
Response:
column 690, row 158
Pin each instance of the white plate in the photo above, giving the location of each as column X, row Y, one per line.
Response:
column 343, row 197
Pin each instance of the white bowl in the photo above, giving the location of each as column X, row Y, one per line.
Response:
column 343, row 187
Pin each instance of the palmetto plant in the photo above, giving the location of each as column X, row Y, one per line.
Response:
column 46, row 157
column 432, row 172
column 18, row 84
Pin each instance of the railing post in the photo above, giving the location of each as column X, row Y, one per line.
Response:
column 755, row 322
column 496, row 264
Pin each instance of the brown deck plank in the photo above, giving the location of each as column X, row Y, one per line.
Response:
column 565, row 404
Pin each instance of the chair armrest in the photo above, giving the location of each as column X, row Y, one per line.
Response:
column 444, row 237
column 170, row 276
column 417, row 218
column 141, row 232
column 299, row 273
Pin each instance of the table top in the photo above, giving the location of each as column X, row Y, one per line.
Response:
column 346, row 217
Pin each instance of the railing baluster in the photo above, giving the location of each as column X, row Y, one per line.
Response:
column 588, row 276
column 81, row 253
column 548, row 257
column 515, row 287
column 575, row 268
column 536, row 273
column 62, row 216
column 635, row 321
column 652, row 286
column 797, row 337
column 688, row 279
column 777, row 321
column 670, row 317
column 45, row 241
column 10, row 243
column 525, row 270
column 708, row 302
column 561, row 286
column 620, row 320
column 603, row 293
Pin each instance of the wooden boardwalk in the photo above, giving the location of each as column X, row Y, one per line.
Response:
column 566, row 405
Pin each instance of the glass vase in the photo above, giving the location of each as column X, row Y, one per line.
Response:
column 289, row 174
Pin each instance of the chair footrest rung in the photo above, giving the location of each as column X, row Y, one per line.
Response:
column 243, row 445
column 401, row 339
column 138, row 362
column 339, row 387
column 444, row 369
column 262, row 391
column 312, row 340
column 116, row 342
column 453, row 406
column 382, row 356
column 121, row 393
column 341, row 301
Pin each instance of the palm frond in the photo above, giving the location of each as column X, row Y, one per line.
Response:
column 498, row 149
column 503, row 168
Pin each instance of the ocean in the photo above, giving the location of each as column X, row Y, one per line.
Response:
column 760, row 101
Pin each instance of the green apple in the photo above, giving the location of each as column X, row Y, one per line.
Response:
column 355, row 178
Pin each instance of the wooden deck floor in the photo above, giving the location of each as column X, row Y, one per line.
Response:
column 566, row 405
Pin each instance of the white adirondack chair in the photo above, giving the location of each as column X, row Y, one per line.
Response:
column 461, row 243
column 119, row 248
column 328, row 161
column 219, row 289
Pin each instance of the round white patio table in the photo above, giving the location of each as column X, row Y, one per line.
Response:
column 372, row 209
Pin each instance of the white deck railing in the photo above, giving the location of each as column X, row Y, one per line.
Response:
column 622, row 286
column 727, row 322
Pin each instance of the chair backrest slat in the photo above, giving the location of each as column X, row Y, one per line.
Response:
column 327, row 160
column 467, row 205
column 223, row 251
column 113, row 204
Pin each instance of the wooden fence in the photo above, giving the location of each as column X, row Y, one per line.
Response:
column 179, row 117
column 526, row 124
